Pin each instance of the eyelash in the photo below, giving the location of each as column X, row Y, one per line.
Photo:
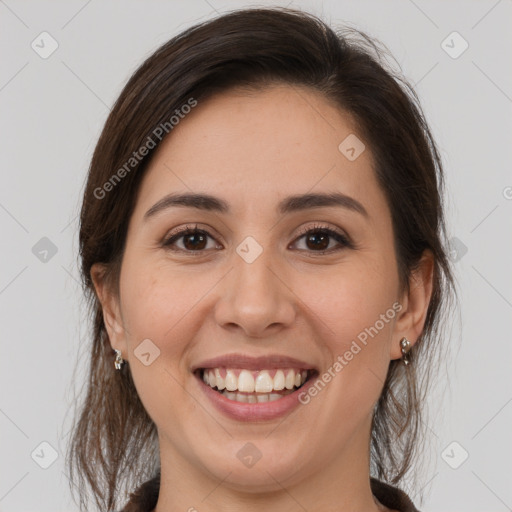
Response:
column 316, row 229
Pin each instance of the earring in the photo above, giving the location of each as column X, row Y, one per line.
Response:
column 118, row 363
column 405, row 345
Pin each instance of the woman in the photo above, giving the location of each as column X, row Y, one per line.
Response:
column 262, row 241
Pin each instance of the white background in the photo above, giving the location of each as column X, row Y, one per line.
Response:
column 52, row 111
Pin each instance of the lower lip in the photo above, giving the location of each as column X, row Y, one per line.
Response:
column 261, row 411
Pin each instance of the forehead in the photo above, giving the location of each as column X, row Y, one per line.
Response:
column 255, row 147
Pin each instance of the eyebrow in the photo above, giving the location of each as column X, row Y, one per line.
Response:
column 287, row 205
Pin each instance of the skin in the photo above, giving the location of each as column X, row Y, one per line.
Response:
column 252, row 150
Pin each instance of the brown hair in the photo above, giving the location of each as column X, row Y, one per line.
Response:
column 114, row 441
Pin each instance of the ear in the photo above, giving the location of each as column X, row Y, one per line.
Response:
column 111, row 308
column 415, row 302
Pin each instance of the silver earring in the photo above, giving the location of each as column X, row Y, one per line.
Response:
column 405, row 345
column 118, row 363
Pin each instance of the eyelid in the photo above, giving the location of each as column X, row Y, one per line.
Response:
column 317, row 226
column 181, row 229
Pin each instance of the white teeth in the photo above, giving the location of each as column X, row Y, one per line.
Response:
column 290, row 380
column 264, row 382
column 245, row 382
column 231, row 381
column 219, row 380
column 252, row 399
column 279, row 380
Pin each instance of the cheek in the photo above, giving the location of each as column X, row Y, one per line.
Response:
column 354, row 313
column 157, row 307
column 154, row 302
column 350, row 300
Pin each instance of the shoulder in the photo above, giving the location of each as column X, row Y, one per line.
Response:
column 391, row 496
column 145, row 497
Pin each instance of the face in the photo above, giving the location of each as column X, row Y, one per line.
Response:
column 263, row 277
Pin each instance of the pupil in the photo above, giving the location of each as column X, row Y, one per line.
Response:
column 195, row 237
column 322, row 244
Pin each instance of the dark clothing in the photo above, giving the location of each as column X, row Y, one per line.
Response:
column 145, row 497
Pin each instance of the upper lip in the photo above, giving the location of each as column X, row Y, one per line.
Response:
column 248, row 362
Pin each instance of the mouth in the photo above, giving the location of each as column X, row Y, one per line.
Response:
column 252, row 388
column 255, row 386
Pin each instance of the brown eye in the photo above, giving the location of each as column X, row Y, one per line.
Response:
column 193, row 240
column 318, row 239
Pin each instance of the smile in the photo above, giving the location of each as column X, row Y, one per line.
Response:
column 245, row 387
column 241, row 385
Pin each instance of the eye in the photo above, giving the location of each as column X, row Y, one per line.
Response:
column 318, row 238
column 194, row 240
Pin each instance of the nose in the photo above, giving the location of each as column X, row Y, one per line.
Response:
column 256, row 298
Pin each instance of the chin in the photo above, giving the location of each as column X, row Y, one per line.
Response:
column 257, row 466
